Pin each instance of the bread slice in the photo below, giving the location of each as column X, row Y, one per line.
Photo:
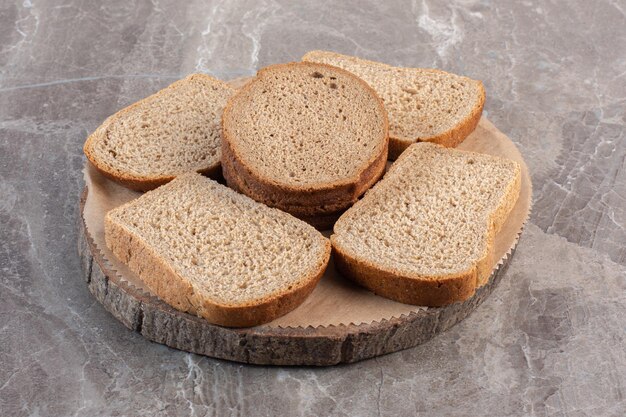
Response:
column 174, row 131
column 306, row 138
column 424, row 234
column 423, row 105
column 207, row 250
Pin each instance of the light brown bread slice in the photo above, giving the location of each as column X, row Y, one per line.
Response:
column 174, row 131
column 207, row 250
column 424, row 234
column 423, row 105
column 306, row 136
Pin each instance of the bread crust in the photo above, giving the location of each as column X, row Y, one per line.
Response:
column 303, row 202
column 450, row 138
column 409, row 290
column 334, row 195
column 431, row 291
column 128, row 180
column 321, row 221
column 168, row 285
column 305, row 212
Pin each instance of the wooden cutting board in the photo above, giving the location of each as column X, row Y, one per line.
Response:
column 339, row 323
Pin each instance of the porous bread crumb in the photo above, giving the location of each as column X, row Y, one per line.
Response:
column 305, row 126
column 433, row 215
column 231, row 250
column 422, row 104
column 174, row 131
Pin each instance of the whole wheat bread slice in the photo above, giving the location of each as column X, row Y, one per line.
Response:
column 207, row 250
column 424, row 234
column 305, row 136
column 423, row 105
column 174, row 131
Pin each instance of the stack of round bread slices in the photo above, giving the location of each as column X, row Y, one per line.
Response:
column 302, row 143
column 306, row 138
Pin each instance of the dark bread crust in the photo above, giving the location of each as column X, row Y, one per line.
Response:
column 128, row 180
column 300, row 201
column 431, row 291
column 320, row 217
column 408, row 290
column 450, row 138
column 164, row 282
column 147, row 184
column 311, row 201
column 321, row 220
column 427, row 291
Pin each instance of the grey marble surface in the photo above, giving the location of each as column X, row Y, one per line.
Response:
column 549, row 342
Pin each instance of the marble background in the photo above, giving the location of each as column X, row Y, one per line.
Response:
column 549, row 342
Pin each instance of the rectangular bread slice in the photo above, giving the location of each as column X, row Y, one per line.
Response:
column 423, row 105
column 209, row 251
column 424, row 234
column 172, row 132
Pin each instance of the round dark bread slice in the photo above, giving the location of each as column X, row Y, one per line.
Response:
column 171, row 132
column 306, row 138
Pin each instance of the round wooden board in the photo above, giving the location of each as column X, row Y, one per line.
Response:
column 262, row 345
column 306, row 343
